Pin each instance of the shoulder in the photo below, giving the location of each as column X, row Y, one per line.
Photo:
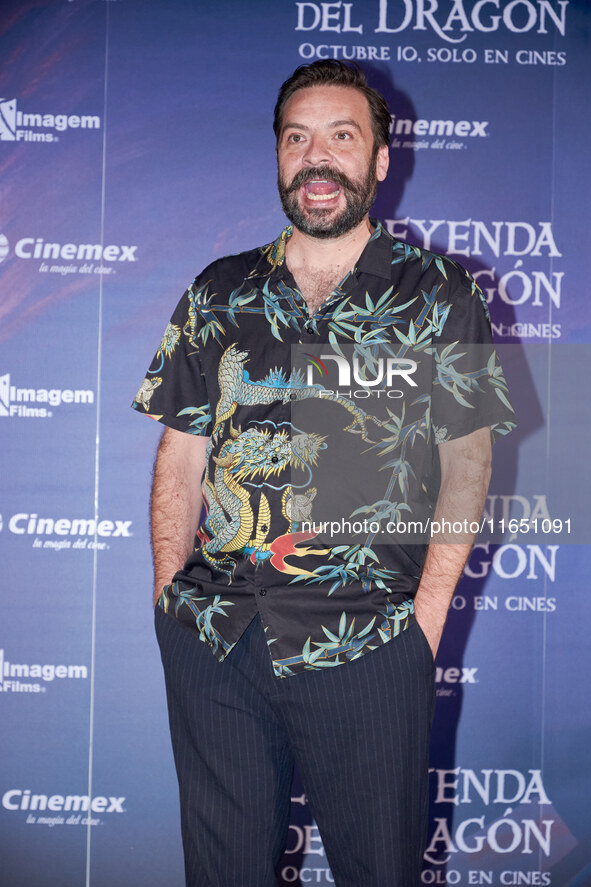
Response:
column 430, row 271
column 228, row 273
column 432, row 283
column 437, row 266
column 230, row 270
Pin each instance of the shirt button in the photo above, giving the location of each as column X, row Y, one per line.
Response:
column 293, row 396
column 264, row 528
column 274, row 459
column 309, row 330
column 263, row 592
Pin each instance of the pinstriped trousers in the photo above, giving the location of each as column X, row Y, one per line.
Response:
column 359, row 734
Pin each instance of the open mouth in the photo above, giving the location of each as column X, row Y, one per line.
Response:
column 321, row 190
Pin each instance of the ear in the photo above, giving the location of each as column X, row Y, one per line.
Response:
column 382, row 162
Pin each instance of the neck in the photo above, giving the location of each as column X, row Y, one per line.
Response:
column 318, row 265
column 315, row 252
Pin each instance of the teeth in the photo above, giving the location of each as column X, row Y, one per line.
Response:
column 323, row 196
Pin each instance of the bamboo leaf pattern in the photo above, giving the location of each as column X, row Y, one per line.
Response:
column 366, row 323
column 202, row 417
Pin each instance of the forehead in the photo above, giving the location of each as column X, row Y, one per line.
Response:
column 321, row 105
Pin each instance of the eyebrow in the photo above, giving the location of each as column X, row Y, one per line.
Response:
column 332, row 125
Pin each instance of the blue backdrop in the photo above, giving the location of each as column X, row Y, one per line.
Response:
column 135, row 147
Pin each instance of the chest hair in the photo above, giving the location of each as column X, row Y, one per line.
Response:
column 316, row 286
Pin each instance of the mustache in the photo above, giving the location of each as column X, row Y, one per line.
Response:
column 321, row 172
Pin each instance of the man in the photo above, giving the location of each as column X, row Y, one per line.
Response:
column 323, row 652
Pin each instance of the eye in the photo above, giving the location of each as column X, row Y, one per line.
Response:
column 343, row 136
column 295, row 137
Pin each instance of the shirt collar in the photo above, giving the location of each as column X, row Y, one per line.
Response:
column 376, row 258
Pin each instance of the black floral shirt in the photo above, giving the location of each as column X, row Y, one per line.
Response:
column 322, row 467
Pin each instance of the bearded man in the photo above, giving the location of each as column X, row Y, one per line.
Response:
column 279, row 646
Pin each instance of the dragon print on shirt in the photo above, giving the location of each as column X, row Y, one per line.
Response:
column 282, row 448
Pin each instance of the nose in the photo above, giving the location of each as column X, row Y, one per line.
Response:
column 317, row 152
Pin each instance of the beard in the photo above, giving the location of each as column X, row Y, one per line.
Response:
column 323, row 223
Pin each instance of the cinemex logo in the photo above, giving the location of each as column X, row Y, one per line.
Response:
column 37, row 248
column 447, row 678
column 16, row 677
column 17, row 800
column 22, row 126
column 36, row 403
column 461, row 128
column 75, row 533
column 435, row 134
column 97, row 258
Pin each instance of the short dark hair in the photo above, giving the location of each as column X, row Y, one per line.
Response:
column 331, row 72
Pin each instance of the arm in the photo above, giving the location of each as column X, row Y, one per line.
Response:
column 465, row 475
column 176, row 502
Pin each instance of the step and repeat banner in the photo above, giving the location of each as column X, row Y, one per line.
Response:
column 136, row 147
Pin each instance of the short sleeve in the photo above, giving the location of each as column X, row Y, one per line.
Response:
column 469, row 389
column 174, row 391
